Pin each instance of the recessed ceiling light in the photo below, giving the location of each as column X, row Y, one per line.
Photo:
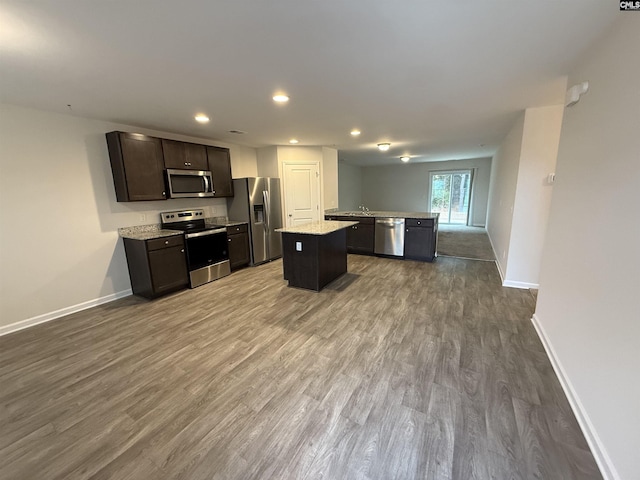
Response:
column 383, row 147
column 281, row 98
column 201, row 118
column 293, row 141
column 405, row 159
column 355, row 133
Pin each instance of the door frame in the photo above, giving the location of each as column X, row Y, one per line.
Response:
column 285, row 207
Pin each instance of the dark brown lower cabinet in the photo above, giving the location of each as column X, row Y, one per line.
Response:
column 239, row 253
column 313, row 261
column 361, row 237
column 156, row 266
column 420, row 239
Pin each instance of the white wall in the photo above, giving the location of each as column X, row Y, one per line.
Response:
column 502, row 194
column 520, row 194
column 538, row 157
column 267, row 162
column 59, row 245
column 588, row 311
column 329, row 178
column 243, row 160
column 406, row 187
column 349, row 186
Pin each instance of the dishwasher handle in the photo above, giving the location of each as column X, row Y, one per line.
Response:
column 390, row 222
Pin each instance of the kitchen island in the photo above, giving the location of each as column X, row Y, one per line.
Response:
column 314, row 254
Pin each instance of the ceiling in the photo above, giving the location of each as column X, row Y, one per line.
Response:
column 439, row 80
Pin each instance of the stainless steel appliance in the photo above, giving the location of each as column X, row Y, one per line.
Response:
column 189, row 183
column 389, row 236
column 206, row 245
column 256, row 201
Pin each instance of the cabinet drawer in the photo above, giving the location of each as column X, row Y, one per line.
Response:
column 419, row 222
column 165, row 242
column 237, row 229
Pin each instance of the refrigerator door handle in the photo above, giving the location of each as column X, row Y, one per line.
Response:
column 265, row 198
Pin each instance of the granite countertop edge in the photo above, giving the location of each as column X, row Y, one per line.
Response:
column 383, row 214
column 322, row 227
column 150, row 232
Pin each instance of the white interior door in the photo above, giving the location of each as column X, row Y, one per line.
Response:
column 302, row 193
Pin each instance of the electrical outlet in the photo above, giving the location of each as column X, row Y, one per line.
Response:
column 143, row 217
column 298, row 246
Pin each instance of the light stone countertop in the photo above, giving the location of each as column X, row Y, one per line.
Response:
column 383, row 214
column 138, row 233
column 323, row 227
column 149, row 232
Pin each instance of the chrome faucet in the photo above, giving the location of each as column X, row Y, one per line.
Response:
column 364, row 209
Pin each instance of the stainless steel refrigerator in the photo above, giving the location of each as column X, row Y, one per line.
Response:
column 257, row 201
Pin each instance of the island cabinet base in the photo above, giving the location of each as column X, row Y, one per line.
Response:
column 313, row 261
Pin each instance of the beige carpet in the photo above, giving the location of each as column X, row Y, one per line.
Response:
column 465, row 242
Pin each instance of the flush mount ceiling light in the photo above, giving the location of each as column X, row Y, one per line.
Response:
column 281, row 98
column 355, row 132
column 405, row 159
column 201, row 118
column 293, row 141
column 383, row 147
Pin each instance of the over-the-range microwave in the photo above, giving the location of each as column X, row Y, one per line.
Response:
column 189, row 183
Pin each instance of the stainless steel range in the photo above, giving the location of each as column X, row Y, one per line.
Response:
column 206, row 245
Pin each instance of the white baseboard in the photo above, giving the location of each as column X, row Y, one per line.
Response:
column 46, row 317
column 514, row 284
column 508, row 283
column 603, row 460
column 497, row 259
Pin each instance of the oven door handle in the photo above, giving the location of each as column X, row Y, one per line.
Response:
column 205, row 233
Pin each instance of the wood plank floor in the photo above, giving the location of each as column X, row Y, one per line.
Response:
column 398, row 370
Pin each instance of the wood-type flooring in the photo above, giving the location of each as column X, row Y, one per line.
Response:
column 397, row 370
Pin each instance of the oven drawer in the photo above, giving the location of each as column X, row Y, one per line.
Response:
column 165, row 242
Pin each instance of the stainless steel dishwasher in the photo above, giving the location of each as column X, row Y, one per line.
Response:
column 389, row 235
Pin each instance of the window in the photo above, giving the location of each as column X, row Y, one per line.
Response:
column 450, row 195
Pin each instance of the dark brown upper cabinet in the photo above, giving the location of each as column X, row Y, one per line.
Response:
column 137, row 166
column 220, row 166
column 187, row 156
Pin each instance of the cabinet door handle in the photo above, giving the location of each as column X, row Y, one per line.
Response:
column 418, row 223
column 182, row 251
column 228, row 239
column 166, row 242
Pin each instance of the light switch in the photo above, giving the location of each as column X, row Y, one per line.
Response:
column 298, row 246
